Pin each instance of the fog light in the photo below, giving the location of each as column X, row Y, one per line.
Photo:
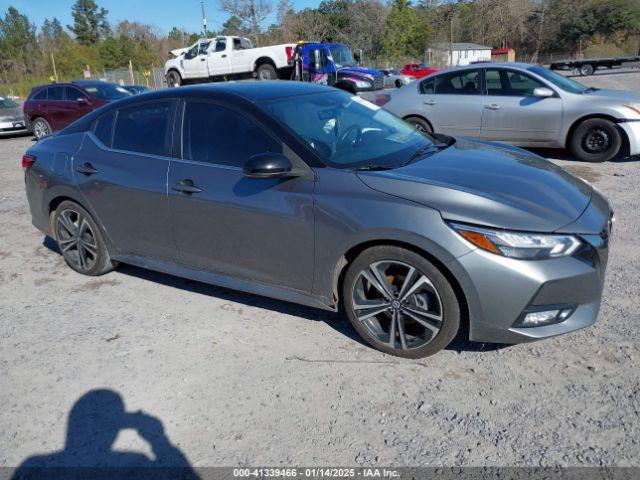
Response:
column 544, row 317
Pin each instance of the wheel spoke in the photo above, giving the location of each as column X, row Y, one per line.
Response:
column 420, row 320
column 416, row 285
column 367, row 312
column 371, row 277
column 67, row 224
column 407, row 282
column 67, row 244
column 392, row 329
column 401, row 333
column 92, row 249
column 82, row 256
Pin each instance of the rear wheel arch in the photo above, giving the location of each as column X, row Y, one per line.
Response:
column 264, row 61
column 353, row 252
column 407, row 118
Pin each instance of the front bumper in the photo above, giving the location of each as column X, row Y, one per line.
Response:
column 13, row 127
column 498, row 289
column 632, row 129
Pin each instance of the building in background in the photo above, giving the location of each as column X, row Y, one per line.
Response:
column 503, row 55
column 457, row 54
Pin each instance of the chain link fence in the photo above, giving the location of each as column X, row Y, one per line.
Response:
column 152, row 78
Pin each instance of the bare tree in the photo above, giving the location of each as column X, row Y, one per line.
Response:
column 253, row 13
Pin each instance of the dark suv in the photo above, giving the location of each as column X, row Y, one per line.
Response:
column 52, row 107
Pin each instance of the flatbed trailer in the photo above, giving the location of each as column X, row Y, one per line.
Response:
column 588, row 66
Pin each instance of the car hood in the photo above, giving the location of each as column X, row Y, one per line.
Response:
column 14, row 113
column 489, row 184
column 359, row 71
column 615, row 95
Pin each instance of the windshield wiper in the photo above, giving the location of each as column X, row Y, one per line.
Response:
column 428, row 149
column 373, row 168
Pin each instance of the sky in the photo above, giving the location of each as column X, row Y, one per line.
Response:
column 161, row 13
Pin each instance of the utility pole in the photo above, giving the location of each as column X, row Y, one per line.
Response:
column 204, row 20
column 53, row 62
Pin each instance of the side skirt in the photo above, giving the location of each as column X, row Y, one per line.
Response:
column 265, row 290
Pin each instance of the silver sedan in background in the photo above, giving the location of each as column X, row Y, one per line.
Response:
column 522, row 104
column 395, row 78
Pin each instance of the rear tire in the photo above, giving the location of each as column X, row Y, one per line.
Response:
column 587, row 69
column 41, row 128
column 420, row 124
column 174, row 79
column 596, row 140
column 80, row 241
column 419, row 315
column 266, row 71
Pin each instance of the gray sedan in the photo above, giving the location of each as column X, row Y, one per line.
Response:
column 525, row 105
column 11, row 118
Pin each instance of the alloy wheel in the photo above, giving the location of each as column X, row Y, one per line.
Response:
column 397, row 304
column 41, row 129
column 76, row 239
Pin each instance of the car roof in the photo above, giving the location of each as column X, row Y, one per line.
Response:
column 499, row 65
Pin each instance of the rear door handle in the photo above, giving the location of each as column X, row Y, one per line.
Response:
column 86, row 169
column 493, row 106
column 429, row 102
column 186, row 186
column 224, row 56
column 202, row 59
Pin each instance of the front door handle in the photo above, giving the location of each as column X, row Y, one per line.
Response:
column 86, row 169
column 202, row 59
column 429, row 102
column 186, row 186
column 224, row 56
column 493, row 106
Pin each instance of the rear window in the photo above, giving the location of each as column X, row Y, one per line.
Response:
column 143, row 128
column 103, row 128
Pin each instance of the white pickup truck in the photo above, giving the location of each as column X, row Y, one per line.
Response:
column 228, row 57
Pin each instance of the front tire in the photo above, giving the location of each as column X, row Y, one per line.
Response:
column 596, row 140
column 400, row 303
column 80, row 241
column 174, row 79
column 420, row 124
column 266, row 71
column 41, row 128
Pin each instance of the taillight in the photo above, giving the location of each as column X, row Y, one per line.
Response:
column 382, row 100
column 289, row 52
column 27, row 161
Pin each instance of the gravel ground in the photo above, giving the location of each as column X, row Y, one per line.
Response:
column 241, row 380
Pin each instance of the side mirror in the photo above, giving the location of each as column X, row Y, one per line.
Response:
column 543, row 92
column 83, row 101
column 267, row 165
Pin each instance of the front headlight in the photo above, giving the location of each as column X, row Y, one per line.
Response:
column 520, row 245
column 362, row 84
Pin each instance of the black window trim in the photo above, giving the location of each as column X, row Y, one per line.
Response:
column 485, row 90
column 168, row 136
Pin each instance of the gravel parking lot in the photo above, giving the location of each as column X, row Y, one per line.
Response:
column 242, row 380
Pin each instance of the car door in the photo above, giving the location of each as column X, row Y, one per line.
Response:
column 513, row 114
column 242, row 58
column 76, row 104
column 121, row 169
column 256, row 229
column 452, row 102
column 55, row 108
column 218, row 58
column 194, row 61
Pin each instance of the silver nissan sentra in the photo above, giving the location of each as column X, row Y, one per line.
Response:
column 522, row 104
column 311, row 195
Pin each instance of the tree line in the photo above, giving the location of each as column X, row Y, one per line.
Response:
column 387, row 32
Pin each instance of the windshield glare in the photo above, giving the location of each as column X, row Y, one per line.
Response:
column 7, row 103
column 107, row 91
column 566, row 84
column 346, row 131
column 342, row 56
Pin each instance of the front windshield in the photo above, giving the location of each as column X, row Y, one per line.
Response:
column 342, row 56
column 347, row 131
column 7, row 103
column 107, row 91
column 558, row 80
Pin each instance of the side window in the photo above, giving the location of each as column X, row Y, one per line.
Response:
column 191, row 53
column 428, row 86
column 103, row 128
column 55, row 93
column 214, row 134
column 510, row 83
column 203, row 48
column 221, row 45
column 143, row 128
column 73, row 94
column 459, row 83
column 41, row 95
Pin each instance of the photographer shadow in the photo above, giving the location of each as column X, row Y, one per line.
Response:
column 93, row 426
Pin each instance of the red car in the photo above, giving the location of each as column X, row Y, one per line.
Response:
column 52, row 107
column 418, row 70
